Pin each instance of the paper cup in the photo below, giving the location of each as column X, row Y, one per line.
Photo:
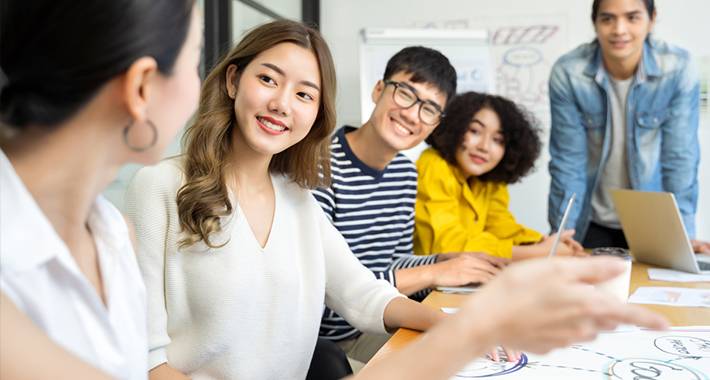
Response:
column 619, row 285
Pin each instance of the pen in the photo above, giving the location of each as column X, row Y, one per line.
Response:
column 562, row 225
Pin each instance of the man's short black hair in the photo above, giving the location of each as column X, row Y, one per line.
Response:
column 522, row 143
column 650, row 9
column 426, row 66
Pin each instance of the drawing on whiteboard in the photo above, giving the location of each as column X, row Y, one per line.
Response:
column 522, row 68
column 522, row 76
column 448, row 24
column 637, row 355
column 704, row 65
column 519, row 35
column 523, row 50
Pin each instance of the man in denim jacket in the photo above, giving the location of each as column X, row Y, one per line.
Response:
column 624, row 115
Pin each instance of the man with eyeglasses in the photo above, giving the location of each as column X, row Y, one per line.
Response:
column 373, row 191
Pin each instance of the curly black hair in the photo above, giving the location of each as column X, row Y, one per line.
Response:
column 519, row 129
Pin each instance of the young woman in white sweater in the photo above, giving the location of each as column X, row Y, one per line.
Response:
column 237, row 256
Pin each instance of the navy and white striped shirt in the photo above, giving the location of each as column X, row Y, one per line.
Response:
column 374, row 211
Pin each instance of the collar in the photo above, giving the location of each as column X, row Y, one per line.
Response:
column 458, row 175
column 350, row 155
column 466, row 188
column 27, row 238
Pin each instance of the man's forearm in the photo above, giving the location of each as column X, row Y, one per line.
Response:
column 412, row 280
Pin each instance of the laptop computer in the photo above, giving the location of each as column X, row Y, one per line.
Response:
column 655, row 232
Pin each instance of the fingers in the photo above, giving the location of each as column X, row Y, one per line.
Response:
column 601, row 312
column 567, row 234
column 472, row 262
column 567, row 237
column 700, row 246
column 493, row 355
column 572, row 248
column 639, row 316
column 590, row 270
column 574, row 245
column 511, row 355
column 499, row 262
column 581, row 254
column 565, row 250
column 464, row 270
column 486, row 266
column 476, row 276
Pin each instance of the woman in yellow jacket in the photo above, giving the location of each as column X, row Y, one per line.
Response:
column 484, row 143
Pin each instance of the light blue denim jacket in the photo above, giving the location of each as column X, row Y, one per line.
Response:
column 661, row 130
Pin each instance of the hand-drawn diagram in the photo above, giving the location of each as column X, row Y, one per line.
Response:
column 633, row 355
column 522, row 68
column 523, row 50
column 482, row 368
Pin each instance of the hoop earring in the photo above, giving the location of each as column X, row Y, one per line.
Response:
column 153, row 141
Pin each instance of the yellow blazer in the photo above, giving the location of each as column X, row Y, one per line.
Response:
column 453, row 216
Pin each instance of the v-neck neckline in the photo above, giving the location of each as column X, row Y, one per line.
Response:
column 252, row 235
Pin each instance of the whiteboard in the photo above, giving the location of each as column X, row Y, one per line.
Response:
column 467, row 50
column 519, row 30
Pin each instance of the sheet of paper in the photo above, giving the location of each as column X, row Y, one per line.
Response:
column 671, row 296
column 676, row 354
column 659, row 274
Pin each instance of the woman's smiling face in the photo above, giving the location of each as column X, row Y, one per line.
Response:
column 483, row 145
column 276, row 97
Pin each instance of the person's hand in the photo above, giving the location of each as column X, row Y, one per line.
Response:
column 568, row 240
column 463, row 269
column 510, row 355
column 499, row 262
column 539, row 305
column 700, row 246
column 567, row 246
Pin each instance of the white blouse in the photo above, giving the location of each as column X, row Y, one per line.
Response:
column 242, row 311
column 40, row 276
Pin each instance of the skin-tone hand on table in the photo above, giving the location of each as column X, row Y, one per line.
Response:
column 700, row 246
column 450, row 269
column 567, row 247
column 557, row 298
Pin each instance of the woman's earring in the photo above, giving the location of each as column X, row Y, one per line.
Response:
column 134, row 148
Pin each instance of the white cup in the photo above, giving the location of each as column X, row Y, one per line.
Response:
column 619, row 285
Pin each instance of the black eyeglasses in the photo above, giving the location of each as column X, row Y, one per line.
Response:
column 405, row 96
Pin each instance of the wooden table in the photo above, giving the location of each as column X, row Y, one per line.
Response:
column 678, row 316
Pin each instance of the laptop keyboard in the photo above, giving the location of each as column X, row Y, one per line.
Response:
column 703, row 265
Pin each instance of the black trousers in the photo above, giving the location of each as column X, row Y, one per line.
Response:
column 329, row 362
column 600, row 236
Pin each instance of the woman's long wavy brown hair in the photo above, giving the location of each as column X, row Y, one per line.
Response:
column 204, row 197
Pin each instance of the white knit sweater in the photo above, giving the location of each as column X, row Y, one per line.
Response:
column 242, row 311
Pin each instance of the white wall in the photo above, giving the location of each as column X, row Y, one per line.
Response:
column 245, row 17
column 684, row 22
